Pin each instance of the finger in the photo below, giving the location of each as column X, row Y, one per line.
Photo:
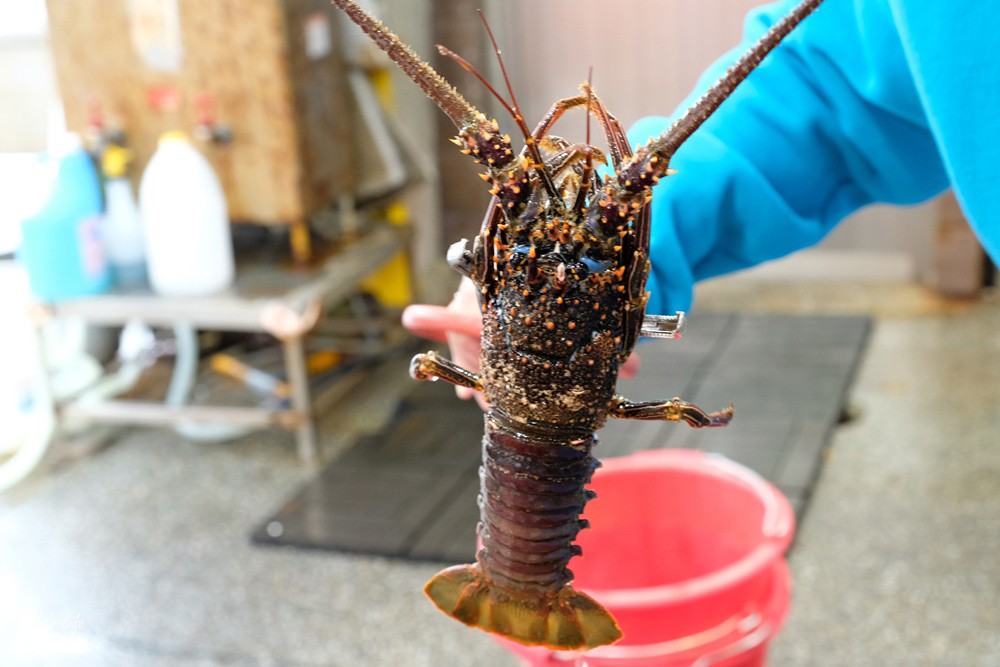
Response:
column 435, row 322
column 421, row 321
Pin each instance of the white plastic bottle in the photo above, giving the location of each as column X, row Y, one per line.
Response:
column 123, row 237
column 189, row 250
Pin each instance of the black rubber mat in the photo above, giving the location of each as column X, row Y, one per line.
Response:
column 411, row 491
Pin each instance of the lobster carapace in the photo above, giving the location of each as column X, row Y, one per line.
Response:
column 560, row 264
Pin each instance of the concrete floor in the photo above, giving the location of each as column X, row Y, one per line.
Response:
column 138, row 554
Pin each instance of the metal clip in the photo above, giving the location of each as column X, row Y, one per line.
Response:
column 460, row 257
column 663, row 326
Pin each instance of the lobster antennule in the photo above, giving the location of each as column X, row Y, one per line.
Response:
column 512, row 107
column 462, row 114
column 588, row 167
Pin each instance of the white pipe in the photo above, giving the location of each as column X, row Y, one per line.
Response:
column 39, row 429
column 185, row 372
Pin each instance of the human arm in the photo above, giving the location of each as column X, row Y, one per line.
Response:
column 831, row 121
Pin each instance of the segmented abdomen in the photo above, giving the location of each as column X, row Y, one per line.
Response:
column 531, row 497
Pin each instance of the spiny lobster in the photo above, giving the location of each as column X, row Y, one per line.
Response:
column 561, row 265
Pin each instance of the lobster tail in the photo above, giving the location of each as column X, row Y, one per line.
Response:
column 569, row 620
column 533, row 491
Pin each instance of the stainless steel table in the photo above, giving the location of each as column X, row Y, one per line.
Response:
column 266, row 298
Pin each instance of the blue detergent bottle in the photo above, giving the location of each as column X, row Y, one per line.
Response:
column 61, row 244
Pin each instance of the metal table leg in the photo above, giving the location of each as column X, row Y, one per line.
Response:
column 298, row 378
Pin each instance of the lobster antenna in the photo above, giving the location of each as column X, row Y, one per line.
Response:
column 461, row 113
column 693, row 118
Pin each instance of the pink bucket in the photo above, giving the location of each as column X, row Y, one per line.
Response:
column 686, row 549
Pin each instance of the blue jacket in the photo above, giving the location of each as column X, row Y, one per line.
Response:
column 866, row 101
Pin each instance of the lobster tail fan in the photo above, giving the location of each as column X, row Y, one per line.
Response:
column 569, row 621
column 462, row 114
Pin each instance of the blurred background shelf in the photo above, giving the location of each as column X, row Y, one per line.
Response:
column 267, row 299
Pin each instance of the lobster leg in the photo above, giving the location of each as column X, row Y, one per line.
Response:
column 431, row 366
column 672, row 410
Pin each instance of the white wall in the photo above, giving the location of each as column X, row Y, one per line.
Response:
column 28, row 93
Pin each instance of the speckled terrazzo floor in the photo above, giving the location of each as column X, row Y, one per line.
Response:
column 139, row 554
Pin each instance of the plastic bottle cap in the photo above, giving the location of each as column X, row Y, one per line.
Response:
column 115, row 160
column 174, row 135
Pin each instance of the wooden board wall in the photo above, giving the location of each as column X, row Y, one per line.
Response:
column 289, row 114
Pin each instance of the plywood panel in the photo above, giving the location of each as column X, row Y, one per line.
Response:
column 247, row 56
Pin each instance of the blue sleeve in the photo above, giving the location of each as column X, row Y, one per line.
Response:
column 831, row 121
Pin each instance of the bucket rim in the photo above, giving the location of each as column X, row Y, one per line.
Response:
column 777, row 526
column 755, row 626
